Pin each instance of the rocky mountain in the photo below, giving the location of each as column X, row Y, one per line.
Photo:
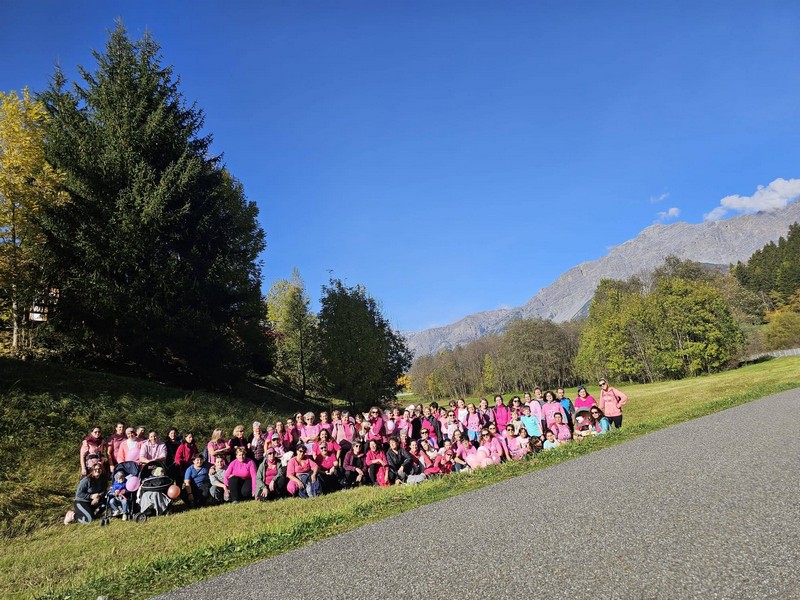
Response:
column 714, row 242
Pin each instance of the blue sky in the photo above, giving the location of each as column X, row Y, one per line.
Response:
column 458, row 156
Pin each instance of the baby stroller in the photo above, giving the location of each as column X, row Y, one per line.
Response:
column 583, row 423
column 152, row 499
column 128, row 469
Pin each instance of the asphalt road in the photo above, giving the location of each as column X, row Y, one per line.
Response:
column 706, row 509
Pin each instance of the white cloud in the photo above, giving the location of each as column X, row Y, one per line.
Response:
column 666, row 215
column 776, row 195
column 657, row 199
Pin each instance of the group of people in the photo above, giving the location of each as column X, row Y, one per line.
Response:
column 308, row 455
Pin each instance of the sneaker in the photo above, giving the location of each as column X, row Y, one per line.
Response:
column 116, row 513
column 69, row 517
column 235, row 502
column 124, row 517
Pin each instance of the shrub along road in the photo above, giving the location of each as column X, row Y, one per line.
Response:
column 703, row 509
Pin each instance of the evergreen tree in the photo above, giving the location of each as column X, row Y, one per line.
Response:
column 156, row 255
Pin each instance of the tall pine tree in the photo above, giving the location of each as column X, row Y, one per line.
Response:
column 156, row 254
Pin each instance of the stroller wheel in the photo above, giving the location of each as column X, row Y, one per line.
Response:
column 103, row 522
column 140, row 518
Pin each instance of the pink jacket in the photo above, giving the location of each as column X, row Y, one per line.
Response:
column 611, row 402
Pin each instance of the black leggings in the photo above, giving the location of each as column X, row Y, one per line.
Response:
column 240, row 489
column 373, row 473
column 85, row 512
column 350, row 476
column 616, row 421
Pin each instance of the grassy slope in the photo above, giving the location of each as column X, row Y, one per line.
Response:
column 47, row 409
column 80, row 562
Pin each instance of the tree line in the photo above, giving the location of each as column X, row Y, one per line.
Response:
column 127, row 244
column 682, row 319
column 773, row 274
column 347, row 349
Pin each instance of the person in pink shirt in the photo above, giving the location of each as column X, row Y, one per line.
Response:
column 493, row 446
column 129, row 449
column 377, row 427
column 331, row 446
column 325, row 422
column 502, row 415
column 425, row 435
column 114, row 442
column 550, row 407
column 516, row 404
column 404, row 424
column 309, row 432
column 276, row 445
column 611, row 401
column 376, row 463
column 218, row 446
column 445, row 462
column 515, row 450
column 153, row 450
column 302, row 471
column 345, row 432
column 426, row 448
column 560, row 429
column 583, row 399
column 425, row 460
column 284, row 437
column 473, row 423
column 391, row 422
column 240, row 476
column 486, row 414
column 330, row 472
column 93, row 450
column 267, row 477
column 534, row 404
column 464, row 451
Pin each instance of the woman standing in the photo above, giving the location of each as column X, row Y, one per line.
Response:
column 184, row 455
column 93, row 449
column 611, row 402
column 584, row 400
column 218, row 447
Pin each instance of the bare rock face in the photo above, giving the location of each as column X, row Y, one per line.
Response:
column 717, row 242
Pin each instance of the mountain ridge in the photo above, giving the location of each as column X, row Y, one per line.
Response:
column 714, row 242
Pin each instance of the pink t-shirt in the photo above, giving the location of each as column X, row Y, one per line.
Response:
column 244, row 469
column 561, row 432
column 298, row 467
column 587, row 402
column 551, row 408
column 474, row 421
column 310, row 431
column 373, row 456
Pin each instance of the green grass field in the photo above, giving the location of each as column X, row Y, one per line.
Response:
column 126, row 559
column 46, row 410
